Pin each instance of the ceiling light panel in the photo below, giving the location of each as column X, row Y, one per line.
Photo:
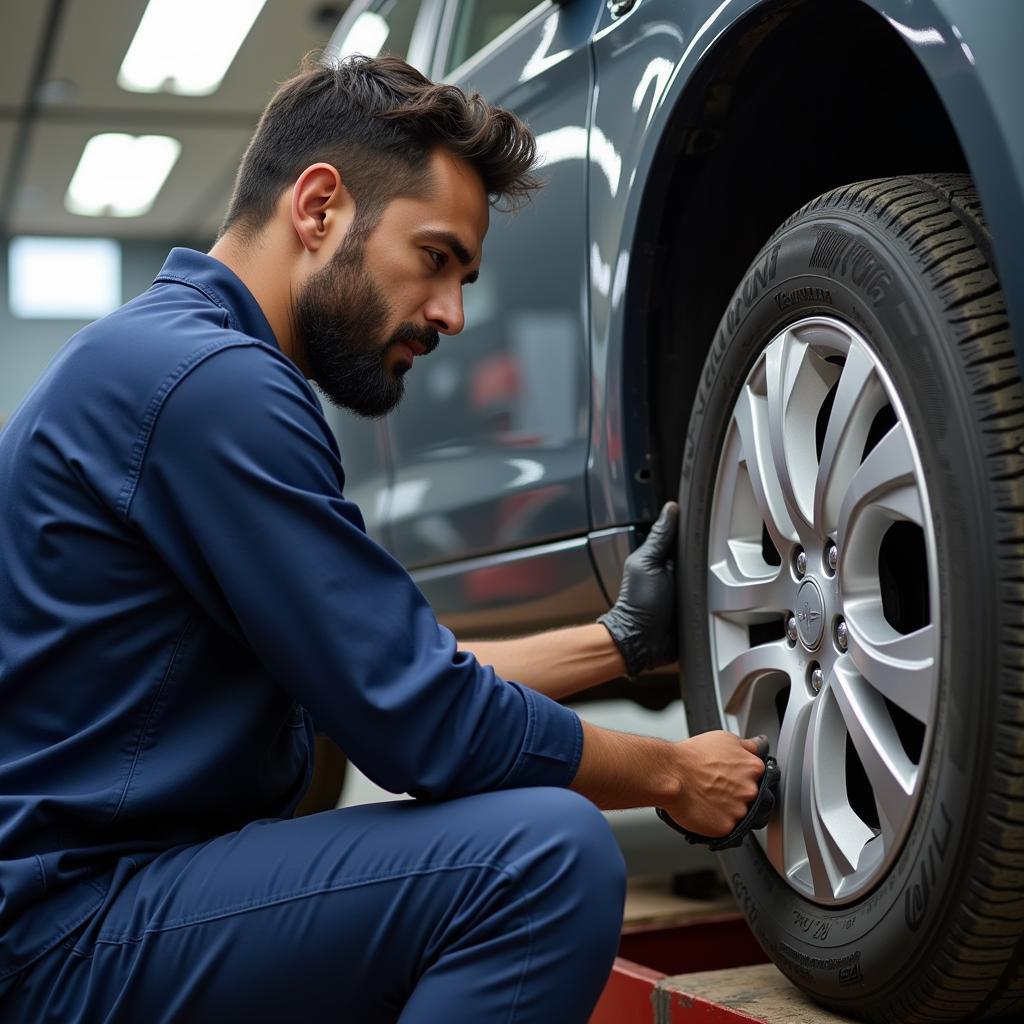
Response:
column 120, row 175
column 186, row 46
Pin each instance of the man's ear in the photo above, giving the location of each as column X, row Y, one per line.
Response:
column 320, row 206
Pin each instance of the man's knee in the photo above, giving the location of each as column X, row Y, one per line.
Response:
column 582, row 825
column 570, row 840
column 573, row 874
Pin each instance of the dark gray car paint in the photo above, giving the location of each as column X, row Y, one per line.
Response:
column 494, row 425
column 569, row 258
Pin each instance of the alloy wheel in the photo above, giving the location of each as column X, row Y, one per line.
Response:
column 823, row 603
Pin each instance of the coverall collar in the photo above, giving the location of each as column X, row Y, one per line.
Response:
column 222, row 287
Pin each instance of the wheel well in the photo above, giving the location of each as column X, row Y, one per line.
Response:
column 802, row 97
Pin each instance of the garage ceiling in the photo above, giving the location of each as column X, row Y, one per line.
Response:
column 58, row 87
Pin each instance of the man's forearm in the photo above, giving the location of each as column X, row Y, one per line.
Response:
column 556, row 664
column 638, row 632
column 619, row 770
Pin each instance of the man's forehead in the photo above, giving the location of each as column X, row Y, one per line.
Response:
column 456, row 194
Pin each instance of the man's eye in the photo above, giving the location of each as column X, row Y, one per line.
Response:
column 438, row 258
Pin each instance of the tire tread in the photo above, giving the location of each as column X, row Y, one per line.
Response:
column 978, row 972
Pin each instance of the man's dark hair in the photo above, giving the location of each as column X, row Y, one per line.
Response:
column 377, row 120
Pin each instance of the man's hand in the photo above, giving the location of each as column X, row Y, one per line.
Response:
column 722, row 777
column 706, row 783
column 642, row 622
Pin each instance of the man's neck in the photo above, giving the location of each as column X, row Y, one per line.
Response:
column 269, row 282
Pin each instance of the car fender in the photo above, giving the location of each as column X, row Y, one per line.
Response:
column 964, row 48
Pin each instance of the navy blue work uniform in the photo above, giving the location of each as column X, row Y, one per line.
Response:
column 183, row 586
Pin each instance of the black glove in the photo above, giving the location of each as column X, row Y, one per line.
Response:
column 642, row 621
column 756, row 817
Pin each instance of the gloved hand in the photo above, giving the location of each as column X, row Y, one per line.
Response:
column 642, row 621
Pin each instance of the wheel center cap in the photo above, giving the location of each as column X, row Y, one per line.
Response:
column 810, row 614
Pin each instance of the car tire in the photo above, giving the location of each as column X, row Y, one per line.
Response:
column 889, row 883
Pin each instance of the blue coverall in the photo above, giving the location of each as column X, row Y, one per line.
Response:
column 183, row 587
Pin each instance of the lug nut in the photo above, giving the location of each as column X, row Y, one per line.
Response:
column 833, row 557
column 817, row 680
column 842, row 635
column 791, row 629
column 801, row 563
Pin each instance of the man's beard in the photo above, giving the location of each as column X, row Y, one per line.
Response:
column 339, row 322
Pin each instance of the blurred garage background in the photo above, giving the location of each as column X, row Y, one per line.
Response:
column 122, row 124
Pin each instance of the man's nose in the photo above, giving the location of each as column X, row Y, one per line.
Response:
column 444, row 312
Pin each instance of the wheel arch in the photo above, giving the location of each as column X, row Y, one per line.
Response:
column 781, row 107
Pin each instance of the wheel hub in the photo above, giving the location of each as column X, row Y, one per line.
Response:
column 810, row 614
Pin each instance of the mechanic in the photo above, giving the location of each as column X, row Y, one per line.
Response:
column 184, row 588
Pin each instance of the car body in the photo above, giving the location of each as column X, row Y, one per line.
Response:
column 675, row 135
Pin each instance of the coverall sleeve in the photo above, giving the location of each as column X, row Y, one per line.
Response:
column 240, row 492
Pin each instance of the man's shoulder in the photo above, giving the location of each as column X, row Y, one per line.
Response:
column 130, row 361
column 239, row 406
column 101, row 397
column 161, row 332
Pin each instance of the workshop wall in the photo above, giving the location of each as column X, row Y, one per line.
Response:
column 27, row 346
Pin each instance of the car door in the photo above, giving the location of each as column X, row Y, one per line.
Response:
column 489, row 447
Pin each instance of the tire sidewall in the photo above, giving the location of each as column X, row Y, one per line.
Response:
column 863, row 950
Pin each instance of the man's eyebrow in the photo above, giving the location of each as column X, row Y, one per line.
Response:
column 462, row 254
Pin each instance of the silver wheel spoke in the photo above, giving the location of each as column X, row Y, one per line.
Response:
column 784, row 373
column 784, row 838
column 737, row 679
column 731, row 592
column 858, row 399
column 903, row 668
column 832, row 852
column 750, row 416
column 889, row 770
column 885, row 480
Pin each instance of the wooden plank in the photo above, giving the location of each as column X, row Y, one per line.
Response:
column 675, row 1007
column 637, row 995
column 759, row 993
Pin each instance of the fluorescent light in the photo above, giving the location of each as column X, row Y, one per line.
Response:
column 120, row 175
column 186, row 46
column 63, row 278
column 366, row 36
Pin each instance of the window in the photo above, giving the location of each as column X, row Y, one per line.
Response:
column 385, row 28
column 63, row 278
column 480, row 21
